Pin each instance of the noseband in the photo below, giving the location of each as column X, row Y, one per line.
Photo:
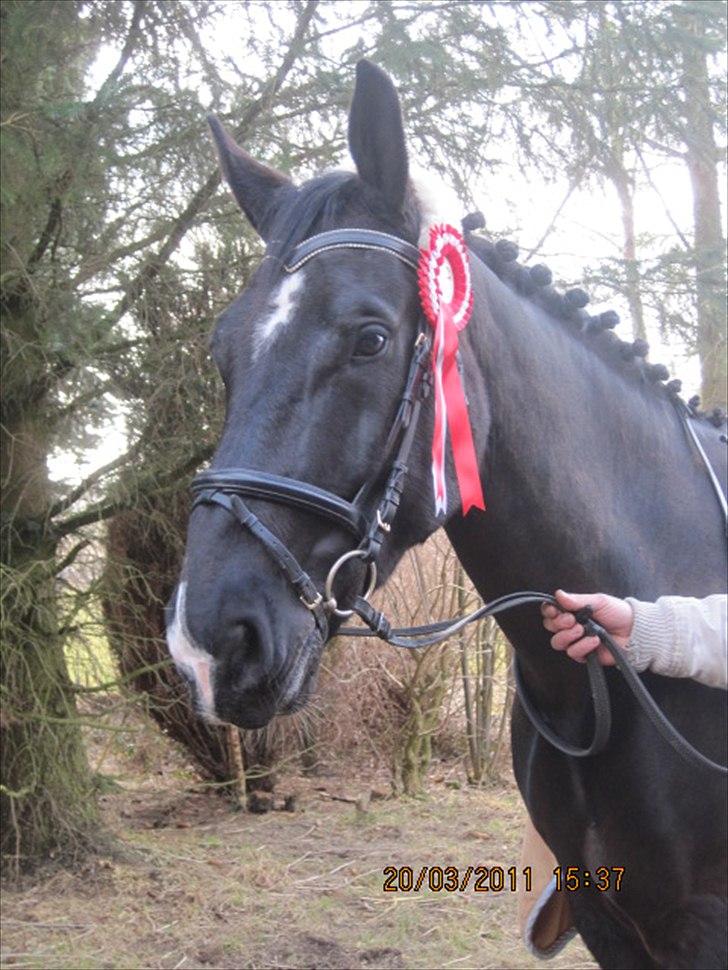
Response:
column 226, row 487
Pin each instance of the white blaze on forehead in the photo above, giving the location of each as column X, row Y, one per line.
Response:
column 284, row 302
column 196, row 662
column 437, row 203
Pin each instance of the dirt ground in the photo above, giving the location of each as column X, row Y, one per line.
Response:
column 203, row 886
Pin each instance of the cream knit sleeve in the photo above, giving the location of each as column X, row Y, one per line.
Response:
column 679, row 636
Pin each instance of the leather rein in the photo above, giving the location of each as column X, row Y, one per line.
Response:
column 227, row 487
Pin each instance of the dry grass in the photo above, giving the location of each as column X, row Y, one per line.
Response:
column 205, row 887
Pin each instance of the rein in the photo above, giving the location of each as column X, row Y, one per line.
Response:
column 227, row 487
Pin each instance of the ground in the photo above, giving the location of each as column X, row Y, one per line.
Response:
column 201, row 885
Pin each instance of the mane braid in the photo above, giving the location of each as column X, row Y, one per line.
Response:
column 325, row 201
column 534, row 283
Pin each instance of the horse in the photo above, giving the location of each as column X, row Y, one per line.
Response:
column 590, row 484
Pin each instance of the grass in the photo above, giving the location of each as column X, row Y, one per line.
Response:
column 203, row 886
column 209, row 888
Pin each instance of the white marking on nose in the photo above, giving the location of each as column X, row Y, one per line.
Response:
column 190, row 657
column 284, row 302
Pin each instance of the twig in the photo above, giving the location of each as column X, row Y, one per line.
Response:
column 107, row 508
column 49, row 926
column 678, row 231
column 321, row 875
column 75, row 494
column 70, row 557
column 549, row 228
column 153, row 265
column 237, row 764
column 66, row 179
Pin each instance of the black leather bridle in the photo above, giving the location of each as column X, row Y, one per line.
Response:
column 227, row 487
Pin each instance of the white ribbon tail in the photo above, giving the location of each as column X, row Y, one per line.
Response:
column 438, row 460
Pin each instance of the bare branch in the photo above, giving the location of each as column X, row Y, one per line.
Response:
column 199, row 200
column 126, row 53
column 665, row 149
column 70, row 557
column 80, row 490
column 90, row 267
column 549, row 228
column 65, row 181
column 148, row 486
column 683, row 239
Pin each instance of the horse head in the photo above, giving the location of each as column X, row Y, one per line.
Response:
column 314, row 362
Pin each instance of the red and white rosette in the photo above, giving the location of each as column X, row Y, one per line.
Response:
column 447, row 300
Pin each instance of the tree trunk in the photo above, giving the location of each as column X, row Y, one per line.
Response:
column 709, row 245
column 47, row 803
column 622, row 183
column 142, row 551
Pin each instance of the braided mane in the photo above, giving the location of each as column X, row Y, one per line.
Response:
column 534, row 282
column 319, row 203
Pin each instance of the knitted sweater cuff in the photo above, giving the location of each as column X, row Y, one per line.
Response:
column 653, row 636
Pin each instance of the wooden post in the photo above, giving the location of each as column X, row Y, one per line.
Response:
column 237, row 765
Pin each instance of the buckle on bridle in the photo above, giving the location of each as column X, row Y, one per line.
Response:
column 315, row 604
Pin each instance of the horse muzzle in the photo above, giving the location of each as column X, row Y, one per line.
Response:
column 244, row 665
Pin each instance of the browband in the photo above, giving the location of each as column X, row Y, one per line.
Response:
column 352, row 239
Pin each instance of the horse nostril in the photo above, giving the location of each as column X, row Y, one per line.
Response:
column 249, row 653
column 253, row 651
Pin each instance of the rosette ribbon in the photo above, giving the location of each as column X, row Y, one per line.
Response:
column 447, row 300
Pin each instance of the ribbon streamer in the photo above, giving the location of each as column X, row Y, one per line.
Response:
column 447, row 300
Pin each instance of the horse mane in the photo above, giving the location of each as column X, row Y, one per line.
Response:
column 321, row 203
column 597, row 331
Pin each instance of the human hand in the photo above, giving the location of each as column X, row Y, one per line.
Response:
column 614, row 614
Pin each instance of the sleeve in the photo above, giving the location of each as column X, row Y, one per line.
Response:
column 679, row 636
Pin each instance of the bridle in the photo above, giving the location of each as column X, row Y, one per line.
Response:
column 227, row 487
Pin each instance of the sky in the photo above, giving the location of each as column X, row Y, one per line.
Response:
column 588, row 229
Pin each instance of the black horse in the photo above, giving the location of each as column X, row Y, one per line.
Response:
column 590, row 484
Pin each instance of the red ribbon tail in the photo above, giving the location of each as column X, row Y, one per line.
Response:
column 461, row 436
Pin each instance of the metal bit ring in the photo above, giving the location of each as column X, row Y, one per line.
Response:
column 330, row 601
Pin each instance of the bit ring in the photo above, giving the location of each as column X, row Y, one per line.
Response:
column 330, row 603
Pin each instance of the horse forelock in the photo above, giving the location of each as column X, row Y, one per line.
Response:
column 333, row 200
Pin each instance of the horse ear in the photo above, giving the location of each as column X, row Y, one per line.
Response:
column 376, row 133
column 257, row 189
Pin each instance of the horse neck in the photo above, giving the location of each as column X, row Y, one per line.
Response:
column 578, row 470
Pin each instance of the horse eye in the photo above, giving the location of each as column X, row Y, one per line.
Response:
column 370, row 342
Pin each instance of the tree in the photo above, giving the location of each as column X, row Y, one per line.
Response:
column 700, row 30
column 75, row 224
column 47, row 803
column 669, row 47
